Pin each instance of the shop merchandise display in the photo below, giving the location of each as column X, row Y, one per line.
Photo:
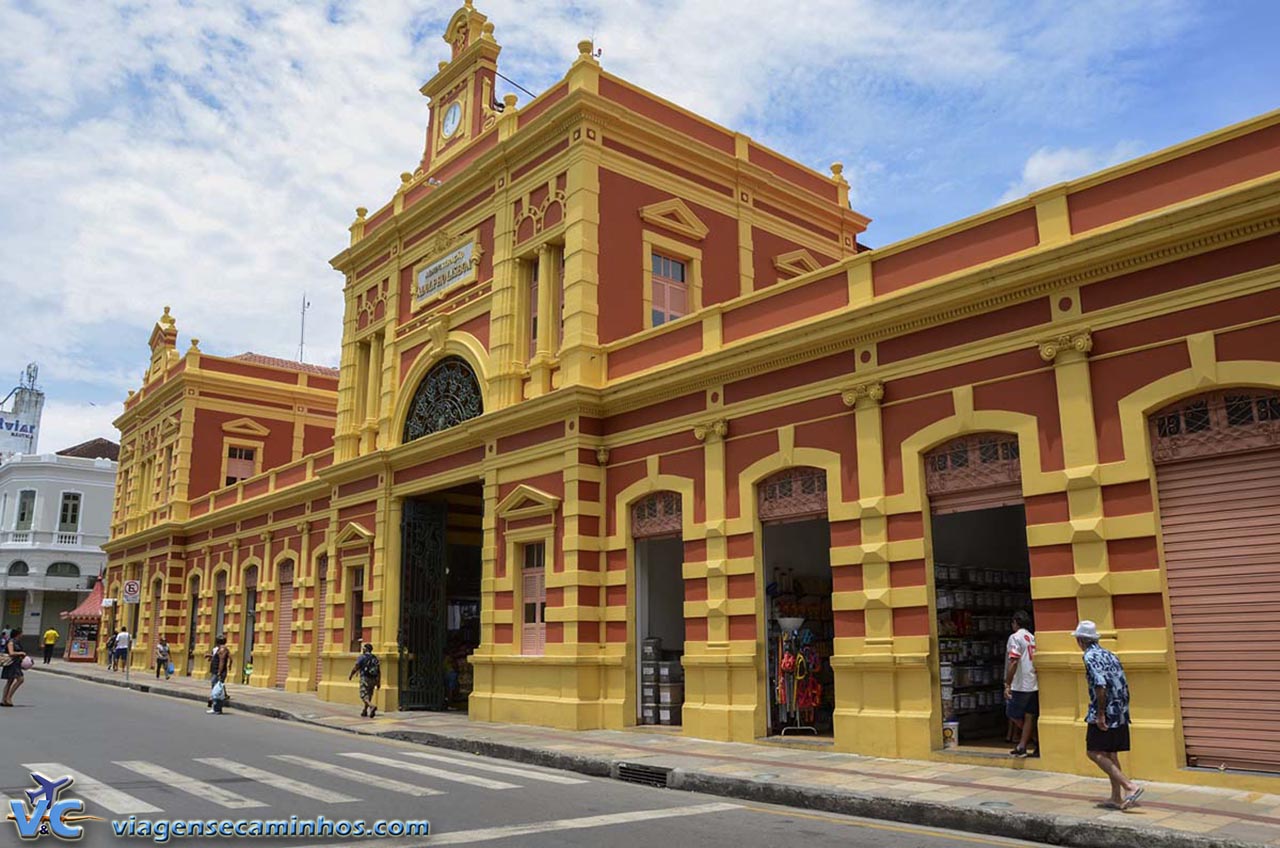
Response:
column 801, row 638
column 975, row 605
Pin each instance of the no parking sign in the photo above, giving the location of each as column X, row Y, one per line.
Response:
column 132, row 591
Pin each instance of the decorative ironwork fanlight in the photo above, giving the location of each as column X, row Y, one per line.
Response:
column 447, row 396
column 973, row 462
column 799, row 492
column 658, row 514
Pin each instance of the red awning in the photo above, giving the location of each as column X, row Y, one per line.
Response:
column 90, row 608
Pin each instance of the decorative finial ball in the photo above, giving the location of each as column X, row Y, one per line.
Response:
column 442, row 65
column 585, row 46
column 166, row 310
column 509, row 101
column 195, row 344
column 361, row 211
column 837, row 168
column 406, row 177
column 488, row 28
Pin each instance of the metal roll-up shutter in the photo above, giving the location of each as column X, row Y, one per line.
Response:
column 1220, row 522
column 1217, row 458
column 976, row 499
column 284, row 624
column 320, row 625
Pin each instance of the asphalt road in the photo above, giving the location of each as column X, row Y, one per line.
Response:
column 151, row 757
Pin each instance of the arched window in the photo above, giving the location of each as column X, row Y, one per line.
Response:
column 63, row 569
column 446, row 397
column 19, row 569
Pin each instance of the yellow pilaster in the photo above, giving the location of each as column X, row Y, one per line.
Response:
column 507, row 380
column 580, row 355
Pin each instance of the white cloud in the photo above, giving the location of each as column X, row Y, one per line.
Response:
column 210, row 155
column 64, row 424
column 1047, row 166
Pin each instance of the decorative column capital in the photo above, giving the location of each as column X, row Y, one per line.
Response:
column 717, row 429
column 871, row 392
column 1080, row 341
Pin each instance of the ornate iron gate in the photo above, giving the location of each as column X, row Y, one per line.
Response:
column 422, row 606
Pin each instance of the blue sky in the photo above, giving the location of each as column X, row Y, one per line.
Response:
column 209, row 156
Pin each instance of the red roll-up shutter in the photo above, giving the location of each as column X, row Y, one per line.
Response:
column 320, row 625
column 1220, row 523
column 284, row 624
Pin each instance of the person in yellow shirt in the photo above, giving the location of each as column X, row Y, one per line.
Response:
column 50, row 639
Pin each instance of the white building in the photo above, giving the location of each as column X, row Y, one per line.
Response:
column 55, row 512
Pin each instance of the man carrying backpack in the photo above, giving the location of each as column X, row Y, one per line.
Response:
column 370, row 671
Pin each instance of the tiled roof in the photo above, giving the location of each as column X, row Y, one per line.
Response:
column 90, row 607
column 94, row 449
column 289, row 364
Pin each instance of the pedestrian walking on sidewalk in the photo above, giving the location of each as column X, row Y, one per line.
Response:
column 50, row 639
column 370, row 670
column 123, row 642
column 1021, row 685
column 12, row 655
column 219, row 665
column 162, row 658
column 1108, row 718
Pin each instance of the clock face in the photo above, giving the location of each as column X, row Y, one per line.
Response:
column 452, row 119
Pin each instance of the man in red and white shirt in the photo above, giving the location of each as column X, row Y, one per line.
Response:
column 1021, row 687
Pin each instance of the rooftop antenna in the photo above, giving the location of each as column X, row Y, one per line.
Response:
column 302, row 332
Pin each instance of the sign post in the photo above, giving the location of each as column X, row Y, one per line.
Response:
column 132, row 594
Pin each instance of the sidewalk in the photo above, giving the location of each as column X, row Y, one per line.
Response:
column 1034, row 805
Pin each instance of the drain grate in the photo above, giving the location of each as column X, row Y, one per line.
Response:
column 644, row 775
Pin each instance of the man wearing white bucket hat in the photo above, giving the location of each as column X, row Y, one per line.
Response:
column 1108, row 717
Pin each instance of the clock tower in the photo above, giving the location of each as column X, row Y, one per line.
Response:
column 462, row 91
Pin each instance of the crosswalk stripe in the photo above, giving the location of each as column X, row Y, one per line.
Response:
column 483, row 766
column 199, row 788
column 91, row 790
column 277, row 781
column 372, row 780
column 431, row 771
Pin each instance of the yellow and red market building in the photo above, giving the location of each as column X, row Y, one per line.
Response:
column 611, row 371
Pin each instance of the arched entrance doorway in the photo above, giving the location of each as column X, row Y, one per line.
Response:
column 656, row 523
column 440, row 567
column 1217, row 459
column 982, row 576
column 796, row 550
column 193, row 612
column 250, row 615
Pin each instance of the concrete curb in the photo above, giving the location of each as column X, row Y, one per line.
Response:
column 1033, row 827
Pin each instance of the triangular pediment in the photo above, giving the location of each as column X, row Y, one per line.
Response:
column 245, row 427
column 676, row 216
column 353, row 534
column 527, row 502
column 795, row 263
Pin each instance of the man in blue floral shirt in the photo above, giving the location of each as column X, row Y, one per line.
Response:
column 1108, row 718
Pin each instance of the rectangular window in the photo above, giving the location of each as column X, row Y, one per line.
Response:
column 670, row 289
column 533, row 308
column 69, row 516
column 533, row 597
column 239, row 464
column 26, row 510
column 355, row 610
